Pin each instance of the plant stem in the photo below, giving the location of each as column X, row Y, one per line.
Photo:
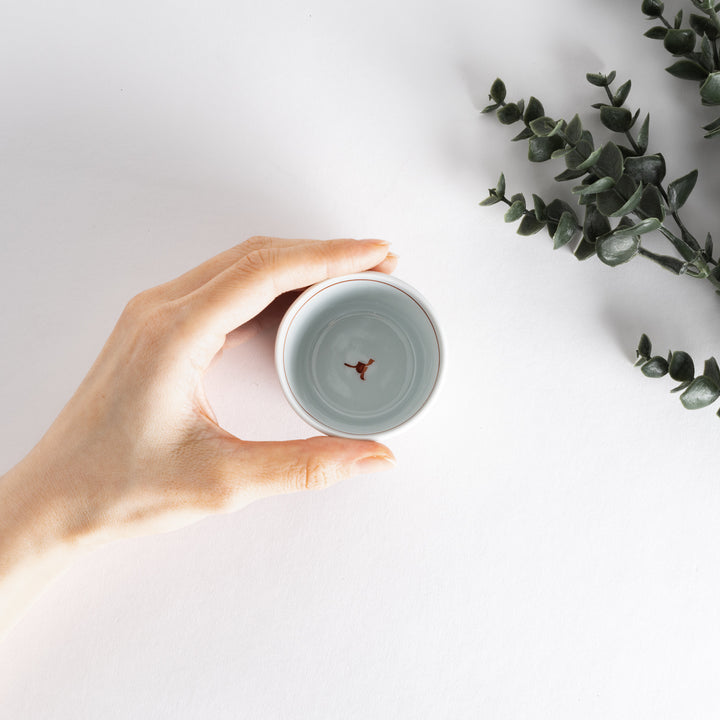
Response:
column 687, row 235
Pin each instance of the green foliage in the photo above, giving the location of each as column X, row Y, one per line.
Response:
column 696, row 392
column 695, row 47
column 619, row 192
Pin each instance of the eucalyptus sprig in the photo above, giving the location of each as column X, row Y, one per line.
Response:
column 696, row 391
column 622, row 197
column 695, row 47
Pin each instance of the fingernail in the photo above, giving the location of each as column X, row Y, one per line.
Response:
column 374, row 463
column 392, row 256
column 378, row 243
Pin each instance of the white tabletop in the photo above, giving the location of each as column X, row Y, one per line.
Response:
column 548, row 544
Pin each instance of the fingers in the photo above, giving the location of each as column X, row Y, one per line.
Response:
column 242, row 290
column 271, row 316
column 388, row 265
column 206, row 271
column 203, row 273
column 272, row 468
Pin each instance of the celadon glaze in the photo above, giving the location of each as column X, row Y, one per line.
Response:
column 329, row 336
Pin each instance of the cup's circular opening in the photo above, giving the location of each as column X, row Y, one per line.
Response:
column 359, row 355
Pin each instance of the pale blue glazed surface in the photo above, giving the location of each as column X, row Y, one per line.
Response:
column 351, row 320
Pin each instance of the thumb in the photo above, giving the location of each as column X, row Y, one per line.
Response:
column 272, row 468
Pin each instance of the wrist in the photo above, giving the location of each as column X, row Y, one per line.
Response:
column 35, row 544
column 36, row 518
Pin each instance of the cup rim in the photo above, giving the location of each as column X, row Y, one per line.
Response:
column 305, row 297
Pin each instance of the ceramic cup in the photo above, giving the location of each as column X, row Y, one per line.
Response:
column 360, row 355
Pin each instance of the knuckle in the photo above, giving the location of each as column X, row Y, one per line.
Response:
column 260, row 260
column 315, row 475
column 256, row 242
column 147, row 320
column 138, row 304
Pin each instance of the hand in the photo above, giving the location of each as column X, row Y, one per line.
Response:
column 138, row 449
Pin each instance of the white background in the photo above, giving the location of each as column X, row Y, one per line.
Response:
column 548, row 546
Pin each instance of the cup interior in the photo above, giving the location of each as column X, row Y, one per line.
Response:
column 359, row 356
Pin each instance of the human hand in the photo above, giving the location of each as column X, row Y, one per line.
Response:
column 138, row 449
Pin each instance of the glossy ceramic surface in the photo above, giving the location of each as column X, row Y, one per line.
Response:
column 359, row 355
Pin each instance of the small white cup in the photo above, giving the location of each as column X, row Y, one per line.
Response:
column 359, row 356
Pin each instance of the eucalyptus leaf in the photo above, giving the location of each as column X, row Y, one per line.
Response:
column 611, row 202
column 656, row 367
column 500, row 187
column 644, row 348
column 545, row 126
column 712, row 371
column 651, row 204
column 600, row 185
column 610, row 161
column 630, row 204
column 581, row 152
column 498, row 92
column 569, row 175
column 644, row 134
column 687, row 70
column 713, row 128
column 584, row 249
column 533, row 110
column 490, row 200
column 613, row 250
column 596, row 224
column 525, row 134
column 656, row 33
column 529, row 225
column 653, row 8
column 621, row 95
column 617, row 119
column 710, row 89
column 596, row 79
column 644, row 226
column 574, row 130
column 646, row 169
column 566, row 230
column 682, row 367
column 679, row 190
column 541, row 149
column 706, row 54
column 679, row 42
column 509, row 114
column 702, row 392
column 515, row 211
column 554, row 212
column 539, row 207
column 703, row 26
column 590, row 160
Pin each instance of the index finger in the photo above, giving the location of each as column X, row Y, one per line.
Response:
column 242, row 290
